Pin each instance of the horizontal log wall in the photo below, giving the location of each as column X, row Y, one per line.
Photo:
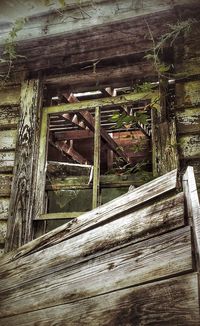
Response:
column 9, row 115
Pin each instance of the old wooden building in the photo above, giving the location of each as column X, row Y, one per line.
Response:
column 99, row 162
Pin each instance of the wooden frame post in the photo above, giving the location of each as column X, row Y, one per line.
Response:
column 97, row 145
column 22, row 201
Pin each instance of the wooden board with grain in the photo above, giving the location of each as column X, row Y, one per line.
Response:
column 136, row 226
column 4, row 206
column 168, row 302
column 156, row 258
column 188, row 120
column 8, row 139
column 102, row 214
column 5, row 184
column 9, row 117
column 7, row 161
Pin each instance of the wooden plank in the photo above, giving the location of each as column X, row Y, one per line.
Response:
column 129, row 228
column 10, row 96
column 77, row 134
column 172, row 301
column 86, row 105
column 57, row 216
column 3, row 229
column 8, row 139
column 23, row 190
column 187, row 94
column 9, row 116
column 65, row 170
column 97, row 150
column 4, row 205
column 7, row 161
column 193, row 207
column 5, row 184
column 160, row 257
column 188, row 120
column 189, row 146
column 103, row 213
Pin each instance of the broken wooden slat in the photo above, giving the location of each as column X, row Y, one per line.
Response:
column 23, row 190
column 9, row 116
column 173, row 301
column 155, row 258
column 8, row 139
column 5, row 184
column 10, row 96
column 193, row 208
column 122, row 204
column 4, row 205
column 130, row 228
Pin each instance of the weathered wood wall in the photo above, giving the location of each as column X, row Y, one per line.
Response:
column 128, row 262
column 9, row 115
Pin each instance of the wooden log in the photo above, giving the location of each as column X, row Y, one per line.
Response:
column 128, row 229
column 5, row 184
column 7, row 161
column 4, row 205
column 102, row 214
column 9, row 116
column 193, row 208
column 170, row 301
column 189, row 146
column 8, row 139
column 23, row 189
column 188, row 121
column 9, row 96
column 156, row 258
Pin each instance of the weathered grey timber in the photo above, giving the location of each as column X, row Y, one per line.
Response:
column 21, row 208
column 81, row 278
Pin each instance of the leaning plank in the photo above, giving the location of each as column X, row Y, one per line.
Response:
column 10, row 96
column 192, row 200
column 102, row 214
column 4, row 205
column 170, row 302
column 156, row 258
column 5, row 185
column 23, row 190
column 140, row 225
column 8, row 139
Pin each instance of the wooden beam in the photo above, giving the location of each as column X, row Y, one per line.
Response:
column 74, row 134
column 97, row 150
column 22, row 201
column 69, row 150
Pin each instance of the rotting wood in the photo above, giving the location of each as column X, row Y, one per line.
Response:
column 9, row 96
column 97, row 151
column 142, row 224
column 193, row 207
column 188, row 121
column 4, row 205
column 9, row 116
column 162, row 256
column 101, row 214
column 63, row 170
column 23, row 190
column 7, row 161
column 5, row 184
column 189, row 146
column 187, row 94
column 173, row 300
column 8, row 139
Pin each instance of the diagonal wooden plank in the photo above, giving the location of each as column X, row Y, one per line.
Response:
column 100, row 215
